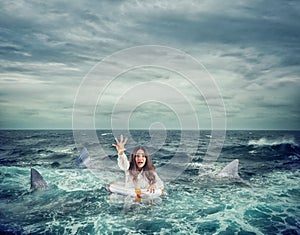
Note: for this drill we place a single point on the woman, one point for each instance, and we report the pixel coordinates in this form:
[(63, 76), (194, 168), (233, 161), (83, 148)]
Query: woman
[(139, 170)]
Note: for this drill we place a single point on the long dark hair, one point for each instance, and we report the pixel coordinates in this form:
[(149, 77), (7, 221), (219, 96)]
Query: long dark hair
[(148, 168)]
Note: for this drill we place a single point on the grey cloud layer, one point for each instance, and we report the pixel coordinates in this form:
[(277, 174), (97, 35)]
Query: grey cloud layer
[(251, 49)]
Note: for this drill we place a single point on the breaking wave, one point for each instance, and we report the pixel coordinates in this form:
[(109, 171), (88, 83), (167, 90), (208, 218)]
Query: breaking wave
[(273, 142)]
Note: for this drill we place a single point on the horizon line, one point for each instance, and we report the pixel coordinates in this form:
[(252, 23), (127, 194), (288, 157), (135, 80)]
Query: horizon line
[(143, 129)]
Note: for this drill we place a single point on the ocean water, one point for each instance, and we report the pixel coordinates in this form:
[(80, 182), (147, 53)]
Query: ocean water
[(264, 200)]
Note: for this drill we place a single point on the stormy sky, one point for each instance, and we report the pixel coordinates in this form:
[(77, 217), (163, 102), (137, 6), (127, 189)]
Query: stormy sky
[(52, 55)]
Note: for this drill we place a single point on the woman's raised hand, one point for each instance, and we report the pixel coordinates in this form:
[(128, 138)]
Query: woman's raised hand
[(120, 145)]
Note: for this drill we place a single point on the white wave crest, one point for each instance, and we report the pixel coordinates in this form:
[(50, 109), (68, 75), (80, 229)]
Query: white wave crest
[(272, 142)]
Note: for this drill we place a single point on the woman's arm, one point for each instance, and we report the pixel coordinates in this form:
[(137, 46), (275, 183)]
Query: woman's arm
[(122, 159), (123, 162), (159, 183)]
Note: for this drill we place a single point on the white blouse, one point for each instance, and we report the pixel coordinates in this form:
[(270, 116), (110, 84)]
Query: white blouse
[(142, 181)]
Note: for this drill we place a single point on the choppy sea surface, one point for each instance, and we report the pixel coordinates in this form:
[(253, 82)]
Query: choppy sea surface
[(264, 200)]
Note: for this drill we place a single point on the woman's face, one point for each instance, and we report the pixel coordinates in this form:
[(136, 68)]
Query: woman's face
[(140, 159)]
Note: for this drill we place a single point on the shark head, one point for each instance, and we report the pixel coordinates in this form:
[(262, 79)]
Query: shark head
[(37, 181)]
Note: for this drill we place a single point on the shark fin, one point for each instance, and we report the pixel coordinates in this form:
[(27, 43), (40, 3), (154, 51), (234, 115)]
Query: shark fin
[(230, 170), (84, 158), (37, 181)]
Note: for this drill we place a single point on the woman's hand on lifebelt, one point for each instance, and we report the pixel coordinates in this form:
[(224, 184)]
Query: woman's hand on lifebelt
[(120, 145), (151, 188)]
